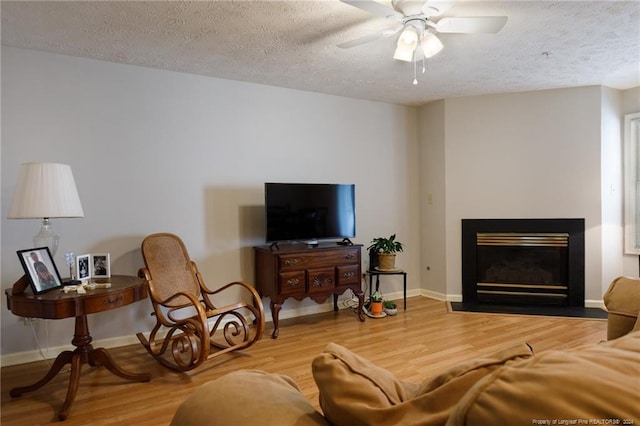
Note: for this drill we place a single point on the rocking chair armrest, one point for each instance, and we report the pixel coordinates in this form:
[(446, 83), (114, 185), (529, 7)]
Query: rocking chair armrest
[(244, 284), (194, 303), (144, 273), (257, 300)]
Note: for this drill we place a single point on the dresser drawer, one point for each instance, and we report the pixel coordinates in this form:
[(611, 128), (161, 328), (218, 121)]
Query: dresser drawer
[(321, 280), (318, 259), (100, 303), (347, 275), (291, 282)]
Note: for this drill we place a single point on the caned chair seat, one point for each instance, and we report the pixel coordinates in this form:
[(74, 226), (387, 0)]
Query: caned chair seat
[(194, 323)]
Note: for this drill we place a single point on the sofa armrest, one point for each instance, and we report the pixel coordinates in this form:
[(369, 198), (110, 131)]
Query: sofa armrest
[(622, 301)]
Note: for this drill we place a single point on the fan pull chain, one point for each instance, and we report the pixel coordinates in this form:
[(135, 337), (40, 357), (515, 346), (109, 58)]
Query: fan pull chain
[(415, 78)]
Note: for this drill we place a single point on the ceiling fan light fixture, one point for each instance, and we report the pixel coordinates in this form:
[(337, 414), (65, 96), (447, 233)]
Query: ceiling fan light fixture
[(431, 45), (403, 53), (407, 43)]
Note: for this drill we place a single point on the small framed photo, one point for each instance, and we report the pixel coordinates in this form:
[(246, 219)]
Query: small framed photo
[(100, 265), (39, 267), (83, 271)]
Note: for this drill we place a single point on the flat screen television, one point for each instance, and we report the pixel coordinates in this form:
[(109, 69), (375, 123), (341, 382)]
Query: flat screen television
[(307, 212)]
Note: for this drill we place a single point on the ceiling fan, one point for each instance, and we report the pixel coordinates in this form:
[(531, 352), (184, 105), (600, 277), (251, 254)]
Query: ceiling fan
[(418, 37)]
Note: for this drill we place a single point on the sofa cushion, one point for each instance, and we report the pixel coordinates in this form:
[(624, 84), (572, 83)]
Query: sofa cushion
[(354, 391), (592, 383), (248, 398)]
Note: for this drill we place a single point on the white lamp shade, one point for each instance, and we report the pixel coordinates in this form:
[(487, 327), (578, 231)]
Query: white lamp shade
[(431, 44), (45, 190), (407, 43)]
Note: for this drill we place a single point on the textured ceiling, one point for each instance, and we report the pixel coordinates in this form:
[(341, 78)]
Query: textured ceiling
[(545, 44)]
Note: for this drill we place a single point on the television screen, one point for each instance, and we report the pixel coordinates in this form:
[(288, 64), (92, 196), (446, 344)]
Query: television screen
[(309, 211)]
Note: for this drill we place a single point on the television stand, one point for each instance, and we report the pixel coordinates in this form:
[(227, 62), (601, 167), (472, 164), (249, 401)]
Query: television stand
[(300, 271), (345, 242)]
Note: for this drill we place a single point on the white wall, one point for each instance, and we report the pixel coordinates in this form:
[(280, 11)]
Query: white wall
[(522, 155), (433, 194), (158, 151)]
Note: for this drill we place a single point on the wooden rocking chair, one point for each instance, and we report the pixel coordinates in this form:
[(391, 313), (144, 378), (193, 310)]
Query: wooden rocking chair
[(193, 328)]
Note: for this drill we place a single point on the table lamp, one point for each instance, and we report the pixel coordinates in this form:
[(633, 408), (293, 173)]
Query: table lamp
[(43, 191)]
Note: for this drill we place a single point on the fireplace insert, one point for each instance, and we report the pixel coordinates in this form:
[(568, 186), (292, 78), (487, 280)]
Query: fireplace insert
[(523, 261)]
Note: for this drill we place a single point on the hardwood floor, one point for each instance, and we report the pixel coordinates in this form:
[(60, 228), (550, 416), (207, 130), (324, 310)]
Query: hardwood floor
[(413, 345)]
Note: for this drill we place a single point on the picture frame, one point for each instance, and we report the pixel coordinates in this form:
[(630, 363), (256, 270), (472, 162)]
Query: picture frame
[(38, 265), (100, 265), (83, 270)]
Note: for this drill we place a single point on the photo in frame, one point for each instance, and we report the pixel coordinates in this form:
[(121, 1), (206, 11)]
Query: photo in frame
[(83, 271), (39, 267), (100, 265)]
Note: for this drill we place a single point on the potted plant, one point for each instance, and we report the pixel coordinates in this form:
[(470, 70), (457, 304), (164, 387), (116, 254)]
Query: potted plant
[(390, 307), (376, 304), (385, 249)]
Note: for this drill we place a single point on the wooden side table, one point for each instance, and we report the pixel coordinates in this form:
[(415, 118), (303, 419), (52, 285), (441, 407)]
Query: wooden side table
[(378, 273), (57, 305)]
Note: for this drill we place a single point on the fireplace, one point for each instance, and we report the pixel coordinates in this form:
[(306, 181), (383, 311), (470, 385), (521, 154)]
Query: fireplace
[(523, 261)]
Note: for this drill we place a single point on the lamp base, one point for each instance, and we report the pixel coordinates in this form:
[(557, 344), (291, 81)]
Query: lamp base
[(46, 237)]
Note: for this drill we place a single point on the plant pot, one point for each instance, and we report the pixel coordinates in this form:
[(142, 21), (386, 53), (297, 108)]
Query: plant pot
[(391, 311), (386, 261), (376, 308)]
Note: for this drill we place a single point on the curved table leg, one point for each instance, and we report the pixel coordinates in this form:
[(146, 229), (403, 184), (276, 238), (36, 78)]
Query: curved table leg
[(275, 313), (360, 295), (74, 382), (62, 359), (101, 356), (83, 354)]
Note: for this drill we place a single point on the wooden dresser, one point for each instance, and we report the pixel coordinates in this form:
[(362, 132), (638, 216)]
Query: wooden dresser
[(301, 271)]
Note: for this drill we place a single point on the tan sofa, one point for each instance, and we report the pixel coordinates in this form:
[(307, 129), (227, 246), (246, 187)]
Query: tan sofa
[(596, 384)]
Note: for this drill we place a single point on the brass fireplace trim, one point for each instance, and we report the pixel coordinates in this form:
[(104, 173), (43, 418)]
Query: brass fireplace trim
[(531, 286), (518, 293), (533, 239)]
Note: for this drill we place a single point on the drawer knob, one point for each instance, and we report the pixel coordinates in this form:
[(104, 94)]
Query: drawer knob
[(293, 282), (290, 262), (348, 274), (350, 256)]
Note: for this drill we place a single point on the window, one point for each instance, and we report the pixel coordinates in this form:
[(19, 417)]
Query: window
[(632, 182)]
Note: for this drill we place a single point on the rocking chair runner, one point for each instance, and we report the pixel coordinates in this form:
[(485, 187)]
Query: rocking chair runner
[(196, 329)]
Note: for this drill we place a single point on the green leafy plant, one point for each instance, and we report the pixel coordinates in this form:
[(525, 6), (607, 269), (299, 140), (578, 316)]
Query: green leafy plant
[(385, 245), (376, 297), (389, 304)]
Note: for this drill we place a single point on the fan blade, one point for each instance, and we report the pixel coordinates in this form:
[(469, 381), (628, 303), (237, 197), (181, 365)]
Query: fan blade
[(480, 24), (374, 8), (437, 8), (369, 38)]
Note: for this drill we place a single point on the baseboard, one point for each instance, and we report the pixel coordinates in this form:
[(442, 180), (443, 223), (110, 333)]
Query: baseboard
[(286, 313), (53, 351)]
